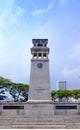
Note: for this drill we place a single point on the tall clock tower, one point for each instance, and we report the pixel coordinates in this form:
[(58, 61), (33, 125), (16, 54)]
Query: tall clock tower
[(39, 76)]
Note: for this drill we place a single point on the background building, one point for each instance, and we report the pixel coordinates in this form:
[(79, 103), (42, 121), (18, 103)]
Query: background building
[(62, 85)]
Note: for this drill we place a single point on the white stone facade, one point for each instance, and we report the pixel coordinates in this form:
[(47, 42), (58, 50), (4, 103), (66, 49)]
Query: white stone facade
[(39, 76)]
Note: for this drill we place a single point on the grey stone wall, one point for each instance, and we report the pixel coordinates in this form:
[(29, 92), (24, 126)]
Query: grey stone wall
[(41, 108), (39, 81)]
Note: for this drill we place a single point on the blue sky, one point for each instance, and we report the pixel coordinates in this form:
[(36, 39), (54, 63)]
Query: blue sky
[(57, 20)]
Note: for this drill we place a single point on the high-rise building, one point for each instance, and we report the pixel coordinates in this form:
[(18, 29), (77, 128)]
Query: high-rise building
[(62, 85)]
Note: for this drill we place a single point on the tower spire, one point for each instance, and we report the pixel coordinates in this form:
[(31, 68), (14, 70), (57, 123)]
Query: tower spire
[(40, 50)]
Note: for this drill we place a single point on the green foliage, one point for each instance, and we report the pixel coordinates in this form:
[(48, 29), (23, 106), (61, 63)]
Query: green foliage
[(54, 94), (65, 93), (76, 93), (19, 90), (16, 90), (4, 82)]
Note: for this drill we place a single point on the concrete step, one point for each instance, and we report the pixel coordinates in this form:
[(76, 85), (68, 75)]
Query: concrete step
[(38, 126), (58, 122), (49, 126), (72, 119)]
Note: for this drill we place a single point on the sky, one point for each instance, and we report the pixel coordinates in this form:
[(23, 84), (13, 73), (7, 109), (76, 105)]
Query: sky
[(57, 20)]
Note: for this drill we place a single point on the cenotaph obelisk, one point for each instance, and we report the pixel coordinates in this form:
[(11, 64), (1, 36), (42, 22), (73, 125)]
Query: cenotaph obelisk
[(39, 76)]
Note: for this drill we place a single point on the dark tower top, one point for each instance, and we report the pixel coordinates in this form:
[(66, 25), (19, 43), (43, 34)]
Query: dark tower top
[(40, 42), (40, 50)]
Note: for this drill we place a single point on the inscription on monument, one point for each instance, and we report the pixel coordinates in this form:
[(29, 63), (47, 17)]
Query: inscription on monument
[(38, 106), (40, 89), (66, 107), (13, 107)]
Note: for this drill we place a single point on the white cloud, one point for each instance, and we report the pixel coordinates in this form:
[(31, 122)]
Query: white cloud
[(20, 11), (1, 45), (72, 76), (9, 16), (75, 52), (63, 2), (42, 11), (14, 17), (50, 6), (71, 72), (14, 49), (73, 68)]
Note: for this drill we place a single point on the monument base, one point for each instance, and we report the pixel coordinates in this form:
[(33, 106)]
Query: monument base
[(39, 114), (40, 111)]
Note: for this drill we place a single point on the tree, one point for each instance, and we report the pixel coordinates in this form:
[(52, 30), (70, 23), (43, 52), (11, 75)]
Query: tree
[(19, 90), (54, 94), (2, 92), (4, 83), (65, 94), (76, 93), (16, 90)]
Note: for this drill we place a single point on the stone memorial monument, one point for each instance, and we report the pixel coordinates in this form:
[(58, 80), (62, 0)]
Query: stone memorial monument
[(39, 92), (39, 77)]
